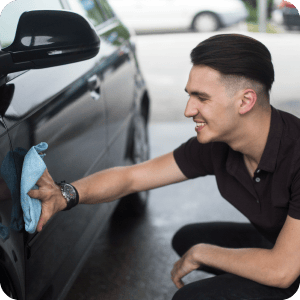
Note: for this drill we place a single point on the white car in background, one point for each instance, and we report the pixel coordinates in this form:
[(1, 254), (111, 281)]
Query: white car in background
[(200, 15)]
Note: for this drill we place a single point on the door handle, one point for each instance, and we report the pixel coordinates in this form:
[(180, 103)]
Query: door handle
[(94, 87)]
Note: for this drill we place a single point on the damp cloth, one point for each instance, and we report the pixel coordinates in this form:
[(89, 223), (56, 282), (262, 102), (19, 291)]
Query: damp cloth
[(11, 169), (33, 169)]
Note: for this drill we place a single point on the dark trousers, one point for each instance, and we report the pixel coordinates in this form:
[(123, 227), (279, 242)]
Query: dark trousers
[(225, 286)]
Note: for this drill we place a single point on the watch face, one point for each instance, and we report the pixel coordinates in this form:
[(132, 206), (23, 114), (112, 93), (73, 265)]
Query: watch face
[(68, 189)]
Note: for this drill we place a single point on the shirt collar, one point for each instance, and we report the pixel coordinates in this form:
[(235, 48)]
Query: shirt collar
[(270, 153), (269, 156)]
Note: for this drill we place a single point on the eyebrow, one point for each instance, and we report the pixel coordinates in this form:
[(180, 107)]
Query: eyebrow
[(196, 93)]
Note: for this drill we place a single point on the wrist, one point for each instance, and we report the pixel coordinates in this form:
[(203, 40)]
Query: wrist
[(62, 202), (197, 253), (70, 194)]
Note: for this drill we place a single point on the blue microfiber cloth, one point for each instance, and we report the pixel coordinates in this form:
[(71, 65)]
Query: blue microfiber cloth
[(33, 169), (11, 169), (16, 214)]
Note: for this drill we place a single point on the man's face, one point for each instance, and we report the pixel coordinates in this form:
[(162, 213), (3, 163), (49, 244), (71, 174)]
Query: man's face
[(216, 115)]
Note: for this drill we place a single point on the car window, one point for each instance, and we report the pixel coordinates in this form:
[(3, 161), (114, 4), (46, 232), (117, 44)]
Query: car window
[(88, 8), (107, 9), (10, 16)]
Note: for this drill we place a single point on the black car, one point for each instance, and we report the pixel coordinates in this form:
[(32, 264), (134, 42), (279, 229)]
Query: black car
[(91, 107)]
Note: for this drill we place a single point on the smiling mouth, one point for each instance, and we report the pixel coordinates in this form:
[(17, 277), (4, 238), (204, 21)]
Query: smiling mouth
[(202, 124)]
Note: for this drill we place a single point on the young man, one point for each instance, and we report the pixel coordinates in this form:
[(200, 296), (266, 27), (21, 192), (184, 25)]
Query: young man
[(254, 152)]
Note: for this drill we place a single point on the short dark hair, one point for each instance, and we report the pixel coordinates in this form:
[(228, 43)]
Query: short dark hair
[(236, 54)]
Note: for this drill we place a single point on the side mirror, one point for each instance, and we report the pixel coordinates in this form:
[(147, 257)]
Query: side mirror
[(48, 38)]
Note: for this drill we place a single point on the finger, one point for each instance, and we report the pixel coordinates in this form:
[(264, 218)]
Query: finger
[(34, 194), (44, 218), (44, 179), (40, 225), (177, 281), (175, 276), (42, 221), (179, 271), (179, 284)]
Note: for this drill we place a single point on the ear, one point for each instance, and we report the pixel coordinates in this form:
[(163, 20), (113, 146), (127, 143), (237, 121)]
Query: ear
[(248, 100)]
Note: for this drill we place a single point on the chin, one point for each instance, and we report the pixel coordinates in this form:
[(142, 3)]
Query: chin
[(203, 139)]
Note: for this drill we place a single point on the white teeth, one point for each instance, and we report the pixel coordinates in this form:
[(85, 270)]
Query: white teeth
[(200, 124)]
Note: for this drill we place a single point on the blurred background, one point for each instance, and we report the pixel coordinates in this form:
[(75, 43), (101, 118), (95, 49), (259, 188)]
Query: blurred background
[(205, 16), (167, 30), (133, 258)]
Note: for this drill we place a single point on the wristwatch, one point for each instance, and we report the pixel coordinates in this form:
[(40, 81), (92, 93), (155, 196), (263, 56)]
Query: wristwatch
[(70, 194)]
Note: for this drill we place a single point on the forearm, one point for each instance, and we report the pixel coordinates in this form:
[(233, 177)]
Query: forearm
[(260, 265), (104, 186)]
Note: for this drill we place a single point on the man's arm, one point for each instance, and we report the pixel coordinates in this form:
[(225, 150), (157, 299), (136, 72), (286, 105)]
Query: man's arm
[(108, 185), (278, 267), (112, 184)]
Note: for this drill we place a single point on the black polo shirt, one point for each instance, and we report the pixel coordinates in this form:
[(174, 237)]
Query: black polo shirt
[(273, 193)]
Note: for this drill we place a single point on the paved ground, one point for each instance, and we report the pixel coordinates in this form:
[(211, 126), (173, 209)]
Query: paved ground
[(132, 258)]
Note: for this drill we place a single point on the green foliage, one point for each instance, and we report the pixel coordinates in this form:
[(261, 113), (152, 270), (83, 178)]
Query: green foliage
[(252, 18), (270, 28), (3, 3), (252, 7)]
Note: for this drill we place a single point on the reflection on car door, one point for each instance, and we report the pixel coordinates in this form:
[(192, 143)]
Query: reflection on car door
[(118, 68), (11, 240), (63, 107), (119, 86)]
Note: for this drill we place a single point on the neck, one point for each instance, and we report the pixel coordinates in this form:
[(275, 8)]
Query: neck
[(252, 135)]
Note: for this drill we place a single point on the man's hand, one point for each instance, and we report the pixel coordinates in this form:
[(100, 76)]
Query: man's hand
[(50, 195), (184, 266)]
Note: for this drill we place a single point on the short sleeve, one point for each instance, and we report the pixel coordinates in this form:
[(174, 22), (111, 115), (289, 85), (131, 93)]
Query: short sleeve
[(294, 203), (194, 159)]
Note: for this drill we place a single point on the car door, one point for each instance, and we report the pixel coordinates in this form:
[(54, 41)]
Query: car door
[(119, 86), (63, 107), (12, 263), (119, 69)]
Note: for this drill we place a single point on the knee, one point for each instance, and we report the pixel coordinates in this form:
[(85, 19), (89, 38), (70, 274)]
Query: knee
[(205, 289), (188, 292), (181, 239), (178, 296), (178, 239)]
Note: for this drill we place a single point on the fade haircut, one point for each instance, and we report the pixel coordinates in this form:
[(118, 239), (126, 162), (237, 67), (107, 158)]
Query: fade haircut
[(242, 61)]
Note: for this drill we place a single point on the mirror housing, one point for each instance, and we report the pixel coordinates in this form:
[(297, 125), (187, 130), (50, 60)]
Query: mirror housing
[(48, 38)]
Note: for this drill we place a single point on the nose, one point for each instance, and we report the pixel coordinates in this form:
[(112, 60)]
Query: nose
[(191, 109)]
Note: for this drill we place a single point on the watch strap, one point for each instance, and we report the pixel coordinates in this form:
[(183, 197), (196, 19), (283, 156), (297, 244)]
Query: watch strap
[(71, 202)]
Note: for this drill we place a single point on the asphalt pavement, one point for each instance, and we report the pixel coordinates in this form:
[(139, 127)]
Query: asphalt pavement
[(132, 258)]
